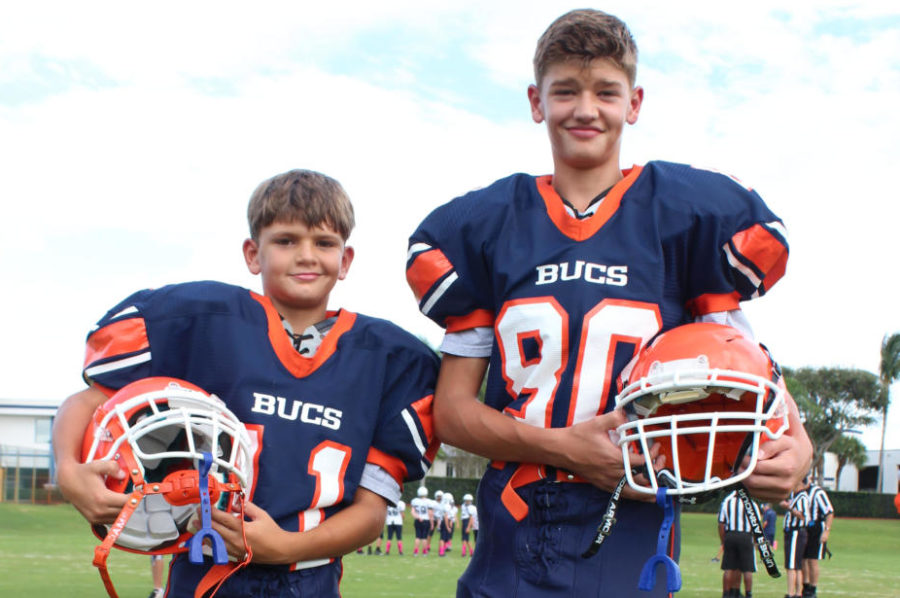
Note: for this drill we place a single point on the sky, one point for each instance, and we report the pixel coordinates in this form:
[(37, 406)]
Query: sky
[(132, 135)]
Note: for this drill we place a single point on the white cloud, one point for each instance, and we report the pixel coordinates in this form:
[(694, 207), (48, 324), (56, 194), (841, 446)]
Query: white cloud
[(133, 138)]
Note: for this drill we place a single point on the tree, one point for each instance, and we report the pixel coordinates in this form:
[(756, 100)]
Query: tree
[(833, 401), (888, 371), (848, 450)]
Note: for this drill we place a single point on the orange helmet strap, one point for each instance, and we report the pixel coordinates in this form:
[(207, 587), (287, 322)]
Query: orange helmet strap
[(177, 489), (101, 552)]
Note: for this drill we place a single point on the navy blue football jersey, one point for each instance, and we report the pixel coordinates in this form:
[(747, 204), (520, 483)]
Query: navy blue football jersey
[(363, 397), (571, 300)]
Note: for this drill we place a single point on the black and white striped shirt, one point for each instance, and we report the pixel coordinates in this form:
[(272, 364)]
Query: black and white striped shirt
[(799, 501), (733, 515), (819, 503)]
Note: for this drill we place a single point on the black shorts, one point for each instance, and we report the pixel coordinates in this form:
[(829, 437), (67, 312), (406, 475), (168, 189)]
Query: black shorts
[(423, 526), (464, 530), (794, 548), (738, 553), (814, 548), (446, 532), (395, 530)]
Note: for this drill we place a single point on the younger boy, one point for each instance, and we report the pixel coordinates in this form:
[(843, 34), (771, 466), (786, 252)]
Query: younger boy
[(332, 451), (556, 282)]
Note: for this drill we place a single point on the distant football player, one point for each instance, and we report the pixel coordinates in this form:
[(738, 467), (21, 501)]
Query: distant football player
[(394, 522), (423, 514), (467, 526), (555, 282), (331, 452)]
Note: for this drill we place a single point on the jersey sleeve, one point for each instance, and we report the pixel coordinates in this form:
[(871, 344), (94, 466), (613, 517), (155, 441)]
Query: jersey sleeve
[(738, 248), (118, 347), (404, 443), (447, 265)]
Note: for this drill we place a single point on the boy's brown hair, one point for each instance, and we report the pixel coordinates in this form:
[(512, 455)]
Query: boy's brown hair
[(586, 34), (300, 195)]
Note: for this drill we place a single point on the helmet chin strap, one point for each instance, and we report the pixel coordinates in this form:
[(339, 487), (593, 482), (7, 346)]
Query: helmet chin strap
[(177, 489)]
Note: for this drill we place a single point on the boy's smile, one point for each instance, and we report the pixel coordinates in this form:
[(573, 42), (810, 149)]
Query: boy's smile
[(585, 109), (299, 267)]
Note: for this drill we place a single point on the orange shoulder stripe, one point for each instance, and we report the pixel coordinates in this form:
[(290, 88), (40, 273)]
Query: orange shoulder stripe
[(424, 409), (474, 319), (392, 465), (709, 303), (427, 268), (119, 338), (767, 253)]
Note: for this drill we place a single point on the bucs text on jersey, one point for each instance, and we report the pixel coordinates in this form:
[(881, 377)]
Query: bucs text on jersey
[(363, 397), (668, 242)]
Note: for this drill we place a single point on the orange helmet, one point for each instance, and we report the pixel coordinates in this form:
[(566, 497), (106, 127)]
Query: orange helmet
[(157, 430), (708, 396)]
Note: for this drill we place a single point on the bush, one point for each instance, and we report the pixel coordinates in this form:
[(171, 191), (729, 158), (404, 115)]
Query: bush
[(846, 504)]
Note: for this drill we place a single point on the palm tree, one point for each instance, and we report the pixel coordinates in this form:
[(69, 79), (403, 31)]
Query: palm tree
[(849, 451), (888, 371)]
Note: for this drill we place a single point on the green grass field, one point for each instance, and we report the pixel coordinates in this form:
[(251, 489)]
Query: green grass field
[(46, 552)]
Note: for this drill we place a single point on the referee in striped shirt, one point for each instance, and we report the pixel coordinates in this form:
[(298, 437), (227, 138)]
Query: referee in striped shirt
[(738, 557), (796, 517), (818, 529)]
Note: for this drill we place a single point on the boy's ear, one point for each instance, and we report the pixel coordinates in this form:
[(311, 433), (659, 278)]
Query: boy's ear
[(346, 260), (251, 256), (534, 99), (635, 101)]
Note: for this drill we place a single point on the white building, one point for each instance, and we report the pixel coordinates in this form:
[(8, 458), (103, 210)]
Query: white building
[(25, 462)]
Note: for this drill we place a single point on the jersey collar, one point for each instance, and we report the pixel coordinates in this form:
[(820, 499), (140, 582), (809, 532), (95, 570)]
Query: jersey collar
[(581, 229), (301, 365)]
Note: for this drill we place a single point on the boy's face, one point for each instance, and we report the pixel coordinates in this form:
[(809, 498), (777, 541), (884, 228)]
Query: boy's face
[(585, 108), (299, 265)]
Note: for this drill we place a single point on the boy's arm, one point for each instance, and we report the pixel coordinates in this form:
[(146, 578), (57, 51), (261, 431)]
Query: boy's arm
[(83, 484), (463, 421), (826, 528), (345, 531)]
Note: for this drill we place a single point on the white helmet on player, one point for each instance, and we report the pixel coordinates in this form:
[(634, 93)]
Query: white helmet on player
[(468, 497), (422, 492)]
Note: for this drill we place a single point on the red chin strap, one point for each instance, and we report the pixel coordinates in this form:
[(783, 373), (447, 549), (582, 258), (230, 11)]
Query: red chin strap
[(179, 488)]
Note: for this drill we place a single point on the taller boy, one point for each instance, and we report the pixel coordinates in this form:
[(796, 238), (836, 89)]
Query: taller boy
[(556, 281)]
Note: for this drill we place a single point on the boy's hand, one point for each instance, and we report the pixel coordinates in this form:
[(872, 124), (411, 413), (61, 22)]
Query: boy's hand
[(265, 537), (594, 456), (84, 486), (782, 462)]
